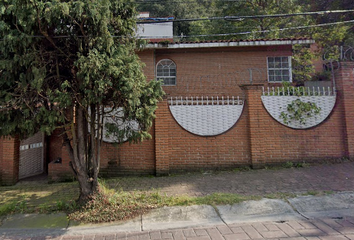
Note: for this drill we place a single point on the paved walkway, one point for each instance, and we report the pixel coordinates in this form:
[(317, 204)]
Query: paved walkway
[(317, 229), (327, 177), (330, 177)]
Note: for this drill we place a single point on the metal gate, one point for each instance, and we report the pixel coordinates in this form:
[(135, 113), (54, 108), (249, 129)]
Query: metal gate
[(31, 156)]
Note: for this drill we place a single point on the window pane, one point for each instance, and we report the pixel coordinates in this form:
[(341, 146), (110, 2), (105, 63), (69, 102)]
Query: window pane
[(270, 64), (169, 81), (277, 65), (285, 72), (285, 64), (166, 70), (279, 69), (286, 78)]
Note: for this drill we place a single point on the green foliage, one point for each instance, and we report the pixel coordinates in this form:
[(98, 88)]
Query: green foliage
[(181, 10), (299, 111), (296, 165), (223, 199), (108, 205), (288, 90), (302, 63), (57, 55), (114, 206), (14, 206), (321, 76), (66, 65), (256, 27)]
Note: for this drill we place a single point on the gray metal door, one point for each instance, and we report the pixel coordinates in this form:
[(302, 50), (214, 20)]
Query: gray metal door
[(31, 156)]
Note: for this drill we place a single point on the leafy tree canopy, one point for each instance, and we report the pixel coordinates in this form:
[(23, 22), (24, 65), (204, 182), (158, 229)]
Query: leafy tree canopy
[(263, 27), (66, 65), (254, 27)]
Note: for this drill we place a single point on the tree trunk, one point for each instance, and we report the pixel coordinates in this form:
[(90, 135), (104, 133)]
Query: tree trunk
[(81, 159), (88, 187)]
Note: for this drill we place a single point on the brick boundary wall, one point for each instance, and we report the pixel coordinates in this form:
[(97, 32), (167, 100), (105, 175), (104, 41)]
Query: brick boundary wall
[(9, 160), (162, 144), (274, 143), (256, 140), (344, 77)]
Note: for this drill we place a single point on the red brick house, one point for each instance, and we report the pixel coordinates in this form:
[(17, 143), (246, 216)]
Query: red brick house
[(213, 115)]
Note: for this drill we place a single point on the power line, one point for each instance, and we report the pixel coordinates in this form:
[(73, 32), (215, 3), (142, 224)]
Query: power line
[(268, 31), (222, 34), (240, 18)]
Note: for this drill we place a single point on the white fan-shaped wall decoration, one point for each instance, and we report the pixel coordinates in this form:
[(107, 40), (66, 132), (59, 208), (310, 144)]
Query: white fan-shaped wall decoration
[(275, 105), (207, 117), (116, 117)]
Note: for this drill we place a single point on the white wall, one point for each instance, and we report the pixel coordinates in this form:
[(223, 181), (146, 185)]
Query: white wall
[(155, 30)]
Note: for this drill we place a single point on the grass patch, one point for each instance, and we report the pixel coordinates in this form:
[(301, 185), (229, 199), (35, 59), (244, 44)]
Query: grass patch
[(109, 205), (294, 195), (242, 169), (115, 206), (280, 195), (223, 199), (14, 206)]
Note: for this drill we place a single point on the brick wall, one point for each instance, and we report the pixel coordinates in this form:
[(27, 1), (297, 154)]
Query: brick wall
[(345, 84), (272, 142), (193, 152), (255, 140), (58, 158), (216, 72), (163, 149), (9, 160), (126, 158)]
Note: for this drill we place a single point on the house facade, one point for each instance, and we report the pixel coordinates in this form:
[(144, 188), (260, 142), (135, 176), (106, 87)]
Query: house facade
[(218, 113)]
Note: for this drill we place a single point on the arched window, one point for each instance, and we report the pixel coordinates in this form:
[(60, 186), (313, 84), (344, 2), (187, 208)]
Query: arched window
[(166, 71)]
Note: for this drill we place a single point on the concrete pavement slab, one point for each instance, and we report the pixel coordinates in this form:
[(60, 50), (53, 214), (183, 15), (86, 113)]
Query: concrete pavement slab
[(254, 211), (331, 206), (133, 225), (52, 225), (57, 220), (179, 217)]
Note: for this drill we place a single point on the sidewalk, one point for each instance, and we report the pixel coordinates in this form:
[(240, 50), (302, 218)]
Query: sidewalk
[(305, 217), (327, 177)]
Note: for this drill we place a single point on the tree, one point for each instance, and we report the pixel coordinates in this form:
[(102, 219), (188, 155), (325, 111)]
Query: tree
[(68, 65), (179, 10)]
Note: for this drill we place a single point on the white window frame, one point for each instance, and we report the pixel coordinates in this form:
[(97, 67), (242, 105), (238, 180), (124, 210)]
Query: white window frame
[(170, 65), (288, 68)]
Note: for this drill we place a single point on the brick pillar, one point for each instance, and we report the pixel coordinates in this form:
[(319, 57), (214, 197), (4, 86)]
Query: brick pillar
[(162, 148), (9, 162), (344, 78), (58, 167), (255, 113)]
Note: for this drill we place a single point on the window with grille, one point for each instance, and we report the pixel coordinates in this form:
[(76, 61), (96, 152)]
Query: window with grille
[(279, 69), (166, 71)]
